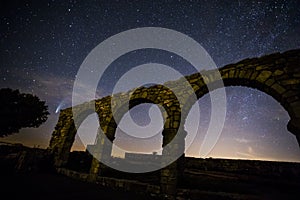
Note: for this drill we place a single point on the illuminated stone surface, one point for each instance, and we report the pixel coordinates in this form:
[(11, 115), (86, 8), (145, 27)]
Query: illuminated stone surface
[(277, 75)]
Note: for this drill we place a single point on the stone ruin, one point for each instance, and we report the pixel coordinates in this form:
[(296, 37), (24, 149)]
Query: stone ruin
[(277, 75)]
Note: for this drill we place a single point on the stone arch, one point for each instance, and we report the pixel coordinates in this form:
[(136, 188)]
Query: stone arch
[(276, 75), (158, 94), (164, 98), (168, 105), (113, 108), (65, 131)]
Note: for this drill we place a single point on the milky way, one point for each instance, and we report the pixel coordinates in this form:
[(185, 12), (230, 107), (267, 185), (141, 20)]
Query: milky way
[(43, 44)]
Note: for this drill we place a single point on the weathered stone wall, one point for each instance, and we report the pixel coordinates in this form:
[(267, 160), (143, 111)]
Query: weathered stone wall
[(250, 167), (16, 158), (118, 184), (218, 175), (277, 75)]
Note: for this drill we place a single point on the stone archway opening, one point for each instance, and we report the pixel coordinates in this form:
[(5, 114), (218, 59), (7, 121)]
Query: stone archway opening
[(86, 133), (80, 158), (137, 147), (196, 126), (139, 132), (255, 128)]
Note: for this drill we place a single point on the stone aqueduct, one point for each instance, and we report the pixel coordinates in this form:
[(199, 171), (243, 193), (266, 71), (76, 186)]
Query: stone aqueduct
[(277, 75)]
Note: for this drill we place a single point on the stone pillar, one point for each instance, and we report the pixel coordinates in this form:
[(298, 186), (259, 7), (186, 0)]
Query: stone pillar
[(61, 148), (170, 175), (294, 127), (100, 151)]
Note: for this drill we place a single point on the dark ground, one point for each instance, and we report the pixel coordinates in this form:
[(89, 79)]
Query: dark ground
[(43, 186), (203, 179), (42, 183)]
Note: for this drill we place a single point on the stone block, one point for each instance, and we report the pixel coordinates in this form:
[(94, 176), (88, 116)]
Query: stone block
[(254, 75), (278, 72), (176, 124), (278, 88), (288, 94), (290, 82), (262, 67), (242, 74), (263, 76), (144, 95), (195, 87), (270, 82), (225, 75), (248, 74), (231, 74)]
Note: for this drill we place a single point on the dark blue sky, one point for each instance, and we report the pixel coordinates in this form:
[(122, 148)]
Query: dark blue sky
[(43, 43)]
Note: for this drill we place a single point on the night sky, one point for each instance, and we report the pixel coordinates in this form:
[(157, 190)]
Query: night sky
[(43, 43)]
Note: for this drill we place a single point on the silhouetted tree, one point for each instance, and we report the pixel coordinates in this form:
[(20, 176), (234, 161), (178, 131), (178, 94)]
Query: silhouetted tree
[(19, 110)]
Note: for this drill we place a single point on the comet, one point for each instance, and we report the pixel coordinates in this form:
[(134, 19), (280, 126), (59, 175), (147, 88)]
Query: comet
[(59, 107)]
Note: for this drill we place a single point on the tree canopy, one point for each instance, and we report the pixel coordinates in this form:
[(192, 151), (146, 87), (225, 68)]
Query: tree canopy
[(19, 110)]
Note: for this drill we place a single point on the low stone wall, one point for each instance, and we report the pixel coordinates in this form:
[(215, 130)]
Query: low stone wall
[(16, 158), (252, 167), (73, 174), (118, 184)]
